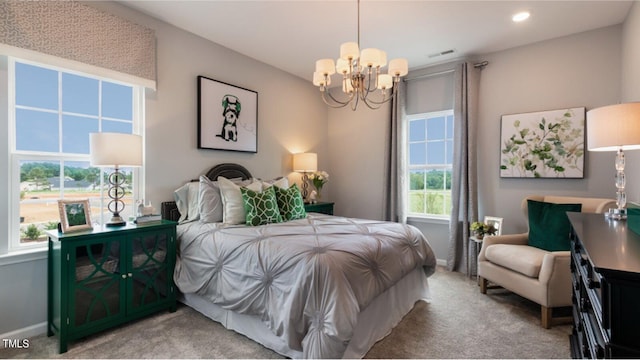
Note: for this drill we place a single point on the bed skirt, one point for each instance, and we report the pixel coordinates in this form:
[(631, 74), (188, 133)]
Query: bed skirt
[(396, 302)]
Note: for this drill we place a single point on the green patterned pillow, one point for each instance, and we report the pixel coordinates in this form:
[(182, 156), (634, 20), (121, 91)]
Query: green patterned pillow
[(290, 203), (261, 207)]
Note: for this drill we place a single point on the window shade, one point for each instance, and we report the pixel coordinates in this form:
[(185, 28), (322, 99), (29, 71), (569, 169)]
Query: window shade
[(77, 32), (429, 93)]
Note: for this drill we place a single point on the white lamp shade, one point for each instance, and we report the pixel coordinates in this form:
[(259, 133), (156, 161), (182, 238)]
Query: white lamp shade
[(305, 162), (370, 57), (326, 66), (398, 67), (349, 51), (385, 81), (319, 79), (342, 66), (614, 127), (383, 58), (115, 149)]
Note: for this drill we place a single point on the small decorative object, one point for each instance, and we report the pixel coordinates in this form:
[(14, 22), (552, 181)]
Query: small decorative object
[(319, 178), (480, 229), (115, 150), (305, 163), (145, 209), (74, 215), (227, 116), (313, 197), (546, 144), (495, 222)]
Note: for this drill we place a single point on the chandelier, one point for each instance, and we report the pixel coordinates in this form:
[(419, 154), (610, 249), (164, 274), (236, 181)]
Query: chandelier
[(362, 77)]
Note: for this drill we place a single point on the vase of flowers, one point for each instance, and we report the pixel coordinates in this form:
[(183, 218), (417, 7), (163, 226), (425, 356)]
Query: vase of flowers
[(480, 229), (319, 178)]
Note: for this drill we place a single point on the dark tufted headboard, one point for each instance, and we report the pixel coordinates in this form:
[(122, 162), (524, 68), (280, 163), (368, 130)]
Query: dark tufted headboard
[(169, 210)]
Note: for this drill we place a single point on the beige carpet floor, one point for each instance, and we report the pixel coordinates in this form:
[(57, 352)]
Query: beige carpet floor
[(459, 322)]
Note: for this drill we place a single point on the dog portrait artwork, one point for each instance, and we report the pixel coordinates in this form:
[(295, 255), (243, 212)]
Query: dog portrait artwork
[(227, 116), (230, 112)]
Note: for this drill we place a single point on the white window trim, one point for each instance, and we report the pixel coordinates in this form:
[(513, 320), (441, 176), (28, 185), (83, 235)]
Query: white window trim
[(427, 218), (11, 245)]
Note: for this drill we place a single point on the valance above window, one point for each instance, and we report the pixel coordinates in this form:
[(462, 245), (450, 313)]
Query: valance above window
[(81, 33)]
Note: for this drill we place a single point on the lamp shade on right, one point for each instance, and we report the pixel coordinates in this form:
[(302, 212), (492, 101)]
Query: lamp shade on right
[(305, 162), (614, 127)]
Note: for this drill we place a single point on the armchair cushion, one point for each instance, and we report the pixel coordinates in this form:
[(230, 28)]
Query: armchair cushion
[(526, 260), (549, 225)]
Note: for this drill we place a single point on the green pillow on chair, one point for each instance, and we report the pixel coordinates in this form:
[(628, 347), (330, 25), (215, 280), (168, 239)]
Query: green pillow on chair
[(549, 225)]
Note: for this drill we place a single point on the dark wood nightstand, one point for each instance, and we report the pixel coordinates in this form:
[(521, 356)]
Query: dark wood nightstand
[(106, 276), (320, 207)]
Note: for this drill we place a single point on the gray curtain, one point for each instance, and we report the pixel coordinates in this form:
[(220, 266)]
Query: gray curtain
[(393, 195), (464, 187)]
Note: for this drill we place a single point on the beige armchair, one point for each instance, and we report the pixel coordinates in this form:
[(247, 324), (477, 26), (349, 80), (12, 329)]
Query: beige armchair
[(536, 274)]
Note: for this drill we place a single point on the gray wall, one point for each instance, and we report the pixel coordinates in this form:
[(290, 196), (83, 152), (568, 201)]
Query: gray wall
[(580, 70)]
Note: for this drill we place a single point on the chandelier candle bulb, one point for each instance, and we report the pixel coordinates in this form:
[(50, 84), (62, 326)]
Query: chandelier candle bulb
[(398, 67), (349, 51), (325, 66)]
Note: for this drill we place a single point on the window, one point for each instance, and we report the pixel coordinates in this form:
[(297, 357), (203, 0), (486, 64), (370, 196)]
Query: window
[(430, 159), (52, 113)]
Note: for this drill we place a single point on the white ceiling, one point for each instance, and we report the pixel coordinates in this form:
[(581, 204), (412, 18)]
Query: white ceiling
[(292, 35)]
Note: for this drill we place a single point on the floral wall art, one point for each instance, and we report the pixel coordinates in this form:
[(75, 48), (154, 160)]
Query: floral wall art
[(545, 144)]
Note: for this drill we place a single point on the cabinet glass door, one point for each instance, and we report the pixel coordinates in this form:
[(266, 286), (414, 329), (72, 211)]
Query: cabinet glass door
[(98, 282), (150, 269)]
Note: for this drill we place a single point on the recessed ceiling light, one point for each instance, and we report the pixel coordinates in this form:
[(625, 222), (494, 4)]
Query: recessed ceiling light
[(521, 16)]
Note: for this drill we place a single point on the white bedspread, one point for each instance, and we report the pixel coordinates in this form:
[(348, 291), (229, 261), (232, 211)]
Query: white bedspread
[(306, 279)]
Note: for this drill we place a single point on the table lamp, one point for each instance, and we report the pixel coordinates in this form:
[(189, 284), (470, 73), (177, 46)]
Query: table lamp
[(305, 163), (115, 150), (615, 128)]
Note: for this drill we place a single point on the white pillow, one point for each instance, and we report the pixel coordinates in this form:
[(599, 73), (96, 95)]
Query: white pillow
[(282, 183), (210, 201), (186, 198), (232, 206)]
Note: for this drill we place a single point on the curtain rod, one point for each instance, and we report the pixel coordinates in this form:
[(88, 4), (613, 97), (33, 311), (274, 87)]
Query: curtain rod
[(479, 65)]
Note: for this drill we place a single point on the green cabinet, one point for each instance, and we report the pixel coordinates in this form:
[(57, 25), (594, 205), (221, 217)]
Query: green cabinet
[(320, 207), (107, 276)]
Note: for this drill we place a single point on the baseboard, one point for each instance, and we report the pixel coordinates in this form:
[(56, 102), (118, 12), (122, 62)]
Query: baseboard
[(26, 332), (441, 262)]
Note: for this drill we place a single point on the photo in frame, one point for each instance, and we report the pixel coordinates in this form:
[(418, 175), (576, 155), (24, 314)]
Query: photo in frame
[(545, 144), (75, 215), (227, 116), (496, 222)]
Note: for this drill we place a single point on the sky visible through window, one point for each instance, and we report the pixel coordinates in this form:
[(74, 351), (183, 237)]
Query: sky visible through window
[(431, 141), (56, 111)]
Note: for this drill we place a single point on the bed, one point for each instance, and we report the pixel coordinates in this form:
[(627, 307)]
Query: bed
[(320, 286)]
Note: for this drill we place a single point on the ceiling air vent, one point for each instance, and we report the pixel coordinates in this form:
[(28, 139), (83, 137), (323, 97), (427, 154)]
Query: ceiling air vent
[(446, 52)]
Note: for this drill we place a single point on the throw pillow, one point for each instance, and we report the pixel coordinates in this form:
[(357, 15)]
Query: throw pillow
[(261, 207), (232, 206), (281, 182), (186, 198), (290, 203), (210, 201), (549, 225)]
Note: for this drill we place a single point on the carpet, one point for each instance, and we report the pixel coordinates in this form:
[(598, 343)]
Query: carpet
[(459, 322)]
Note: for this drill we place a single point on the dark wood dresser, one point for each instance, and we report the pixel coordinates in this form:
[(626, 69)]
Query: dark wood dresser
[(605, 268)]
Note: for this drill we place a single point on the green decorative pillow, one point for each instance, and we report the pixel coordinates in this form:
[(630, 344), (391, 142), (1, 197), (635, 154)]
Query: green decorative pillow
[(260, 207), (290, 203), (549, 225)]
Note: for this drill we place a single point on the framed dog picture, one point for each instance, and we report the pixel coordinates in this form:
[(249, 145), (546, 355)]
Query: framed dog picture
[(227, 116), (74, 215)]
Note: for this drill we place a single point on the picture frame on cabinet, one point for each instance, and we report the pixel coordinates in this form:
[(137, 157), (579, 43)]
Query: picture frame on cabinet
[(75, 215), (227, 116)]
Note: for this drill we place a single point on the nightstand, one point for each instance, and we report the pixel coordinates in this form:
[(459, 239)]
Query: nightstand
[(320, 207), (107, 276)]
